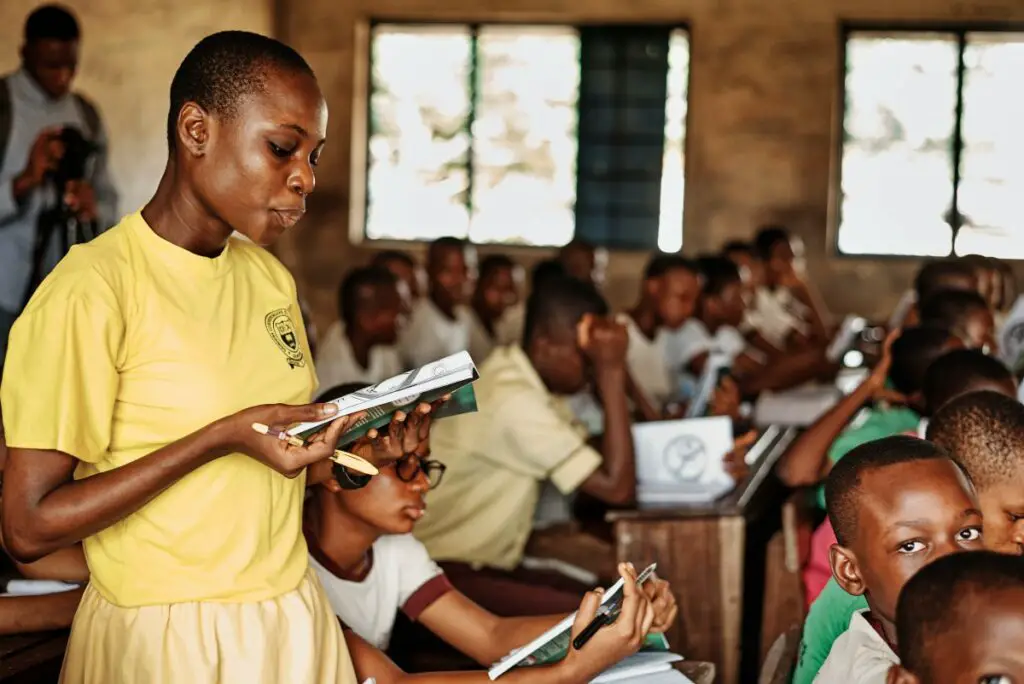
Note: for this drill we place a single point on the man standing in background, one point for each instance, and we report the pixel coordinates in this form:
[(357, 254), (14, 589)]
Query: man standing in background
[(37, 108)]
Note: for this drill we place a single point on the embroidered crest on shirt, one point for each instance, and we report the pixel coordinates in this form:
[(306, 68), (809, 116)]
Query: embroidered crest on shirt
[(282, 330)]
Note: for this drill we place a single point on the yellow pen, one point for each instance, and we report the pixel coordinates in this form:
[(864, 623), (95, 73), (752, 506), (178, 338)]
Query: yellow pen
[(356, 463)]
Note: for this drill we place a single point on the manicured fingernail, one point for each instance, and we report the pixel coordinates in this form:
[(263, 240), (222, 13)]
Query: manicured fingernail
[(329, 409)]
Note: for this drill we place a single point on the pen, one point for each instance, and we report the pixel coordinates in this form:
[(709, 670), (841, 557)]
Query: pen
[(603, 617), (360, 465)]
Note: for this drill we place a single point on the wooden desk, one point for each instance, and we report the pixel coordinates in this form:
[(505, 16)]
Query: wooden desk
[(32, 658), (713, 554)]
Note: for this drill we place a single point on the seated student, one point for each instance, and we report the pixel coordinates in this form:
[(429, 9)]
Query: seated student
[(988, 277), (961, 619), (715, 329), (610, 645), (985, 433), (941, 274), (896, 504), (963, 371), (405, 269), (440, 322), (360, 347), (966, 315), (583, 261), (751, 269), (372, 567), (668, 297), (498, 458), (830, 613), (786, 309), (494, 304)]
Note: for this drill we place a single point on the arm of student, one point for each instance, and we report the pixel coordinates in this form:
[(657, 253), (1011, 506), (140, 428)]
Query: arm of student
[(645, 408), (63, 565), (478, 633), (788, 370), (21, 614), (614, 482)]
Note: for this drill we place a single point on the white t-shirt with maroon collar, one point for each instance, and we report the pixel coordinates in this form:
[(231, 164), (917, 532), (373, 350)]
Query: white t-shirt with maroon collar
[(402, 577)]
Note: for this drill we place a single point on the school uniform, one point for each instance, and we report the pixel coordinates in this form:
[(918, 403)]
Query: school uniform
[(129, 345), (648, 364), (430, 335), (776, 314), (336, 362), (481, 343), (403, 577), (861, 655), (829, 617), (497, 459)]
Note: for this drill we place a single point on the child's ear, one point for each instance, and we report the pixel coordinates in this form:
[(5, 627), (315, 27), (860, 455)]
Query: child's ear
[(845, 569), (897, 675)]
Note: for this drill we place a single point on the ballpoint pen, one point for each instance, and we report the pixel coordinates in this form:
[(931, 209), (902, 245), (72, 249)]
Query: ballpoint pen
[(340, 457)]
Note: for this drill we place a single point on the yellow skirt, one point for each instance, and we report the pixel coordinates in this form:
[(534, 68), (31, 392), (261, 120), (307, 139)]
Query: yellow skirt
[(292, 639)]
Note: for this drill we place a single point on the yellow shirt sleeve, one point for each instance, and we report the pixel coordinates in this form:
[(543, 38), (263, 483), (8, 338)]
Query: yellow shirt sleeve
[(60, 376)]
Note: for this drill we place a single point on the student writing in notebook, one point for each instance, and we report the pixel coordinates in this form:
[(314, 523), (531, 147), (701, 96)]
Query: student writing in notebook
[(440, 322), (360, 347), (372, 567)]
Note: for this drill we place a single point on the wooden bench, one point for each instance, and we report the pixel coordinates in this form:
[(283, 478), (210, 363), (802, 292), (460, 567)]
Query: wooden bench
[(32, 658)]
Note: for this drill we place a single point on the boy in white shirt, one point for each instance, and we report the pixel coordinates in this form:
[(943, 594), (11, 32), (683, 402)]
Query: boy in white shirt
[(440, 322), (494, 300), (371, 567), (668, 297), (360, 347), (896, 504), (403, 267)]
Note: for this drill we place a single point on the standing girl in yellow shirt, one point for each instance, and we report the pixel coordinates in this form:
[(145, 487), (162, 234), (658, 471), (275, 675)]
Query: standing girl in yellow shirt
[(133, 379)]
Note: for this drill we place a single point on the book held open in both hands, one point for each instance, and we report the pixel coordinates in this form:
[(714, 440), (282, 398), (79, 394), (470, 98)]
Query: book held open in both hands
[(452, 375)]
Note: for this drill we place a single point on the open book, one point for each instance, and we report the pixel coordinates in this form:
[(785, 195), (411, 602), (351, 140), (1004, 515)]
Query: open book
[(451, 375), (554, 644)]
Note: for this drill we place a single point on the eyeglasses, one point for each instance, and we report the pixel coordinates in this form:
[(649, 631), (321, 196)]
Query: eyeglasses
[(409, 468)]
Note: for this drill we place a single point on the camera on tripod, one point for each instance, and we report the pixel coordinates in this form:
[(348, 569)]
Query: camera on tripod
[(73, 164)]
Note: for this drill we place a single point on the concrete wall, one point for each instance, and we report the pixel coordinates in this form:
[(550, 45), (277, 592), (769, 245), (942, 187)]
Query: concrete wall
[(129, 53)]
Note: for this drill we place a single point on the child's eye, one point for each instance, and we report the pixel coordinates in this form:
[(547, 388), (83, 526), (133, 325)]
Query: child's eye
[(969, 534), (995, 679), (911, 547), (279, 151)]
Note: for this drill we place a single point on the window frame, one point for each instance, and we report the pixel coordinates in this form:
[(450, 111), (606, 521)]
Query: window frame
[(359, 191), (958, 30)]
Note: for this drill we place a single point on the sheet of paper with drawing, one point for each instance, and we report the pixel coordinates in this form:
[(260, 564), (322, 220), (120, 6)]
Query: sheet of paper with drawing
[(450, 375), (682, 461), (554, 644)]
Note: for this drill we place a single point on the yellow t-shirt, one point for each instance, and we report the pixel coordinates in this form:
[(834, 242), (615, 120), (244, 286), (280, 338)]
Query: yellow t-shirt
[(497, 459), (133, 343)]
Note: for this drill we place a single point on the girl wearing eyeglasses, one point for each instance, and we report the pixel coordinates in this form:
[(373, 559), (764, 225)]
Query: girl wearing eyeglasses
[(361, 546)]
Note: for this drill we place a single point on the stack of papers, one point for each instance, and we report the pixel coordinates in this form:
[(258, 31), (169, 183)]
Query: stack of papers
[(451, 375)]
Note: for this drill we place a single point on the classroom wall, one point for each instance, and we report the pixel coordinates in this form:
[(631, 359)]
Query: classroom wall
[(130, 50), (763, 87)]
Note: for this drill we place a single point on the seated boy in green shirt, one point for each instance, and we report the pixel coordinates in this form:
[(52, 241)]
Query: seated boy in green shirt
[(957, 376)]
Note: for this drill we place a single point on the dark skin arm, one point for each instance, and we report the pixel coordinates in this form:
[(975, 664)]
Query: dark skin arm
[(21, 614), (806, 461), (604, 342), (44, 509)]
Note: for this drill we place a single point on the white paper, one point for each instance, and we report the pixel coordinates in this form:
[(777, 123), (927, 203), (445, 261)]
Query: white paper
[(682, 460), (798, 407), (27, 587), (708, 384), (637, 665)]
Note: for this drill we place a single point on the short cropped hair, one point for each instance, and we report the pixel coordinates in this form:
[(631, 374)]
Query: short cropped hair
[(225, 68), (984, 432), (546, 271), (936, 275), (353, 292), (717, 274), (912, 353), (936, 600), (493, 263), (766, 240), (958, 372), (51, 22), (660, 264), (391, 255), (843, 486), (951, 309), (556, 308), (734, 246)]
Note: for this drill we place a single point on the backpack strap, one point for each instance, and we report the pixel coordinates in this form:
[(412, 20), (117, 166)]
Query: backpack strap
[(91, 116), (6, 117)]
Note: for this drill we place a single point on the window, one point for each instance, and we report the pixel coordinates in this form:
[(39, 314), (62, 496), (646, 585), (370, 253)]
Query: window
[(527, 134), (932, 144)]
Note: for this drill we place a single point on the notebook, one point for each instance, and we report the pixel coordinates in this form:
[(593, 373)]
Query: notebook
[(682, 461)]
